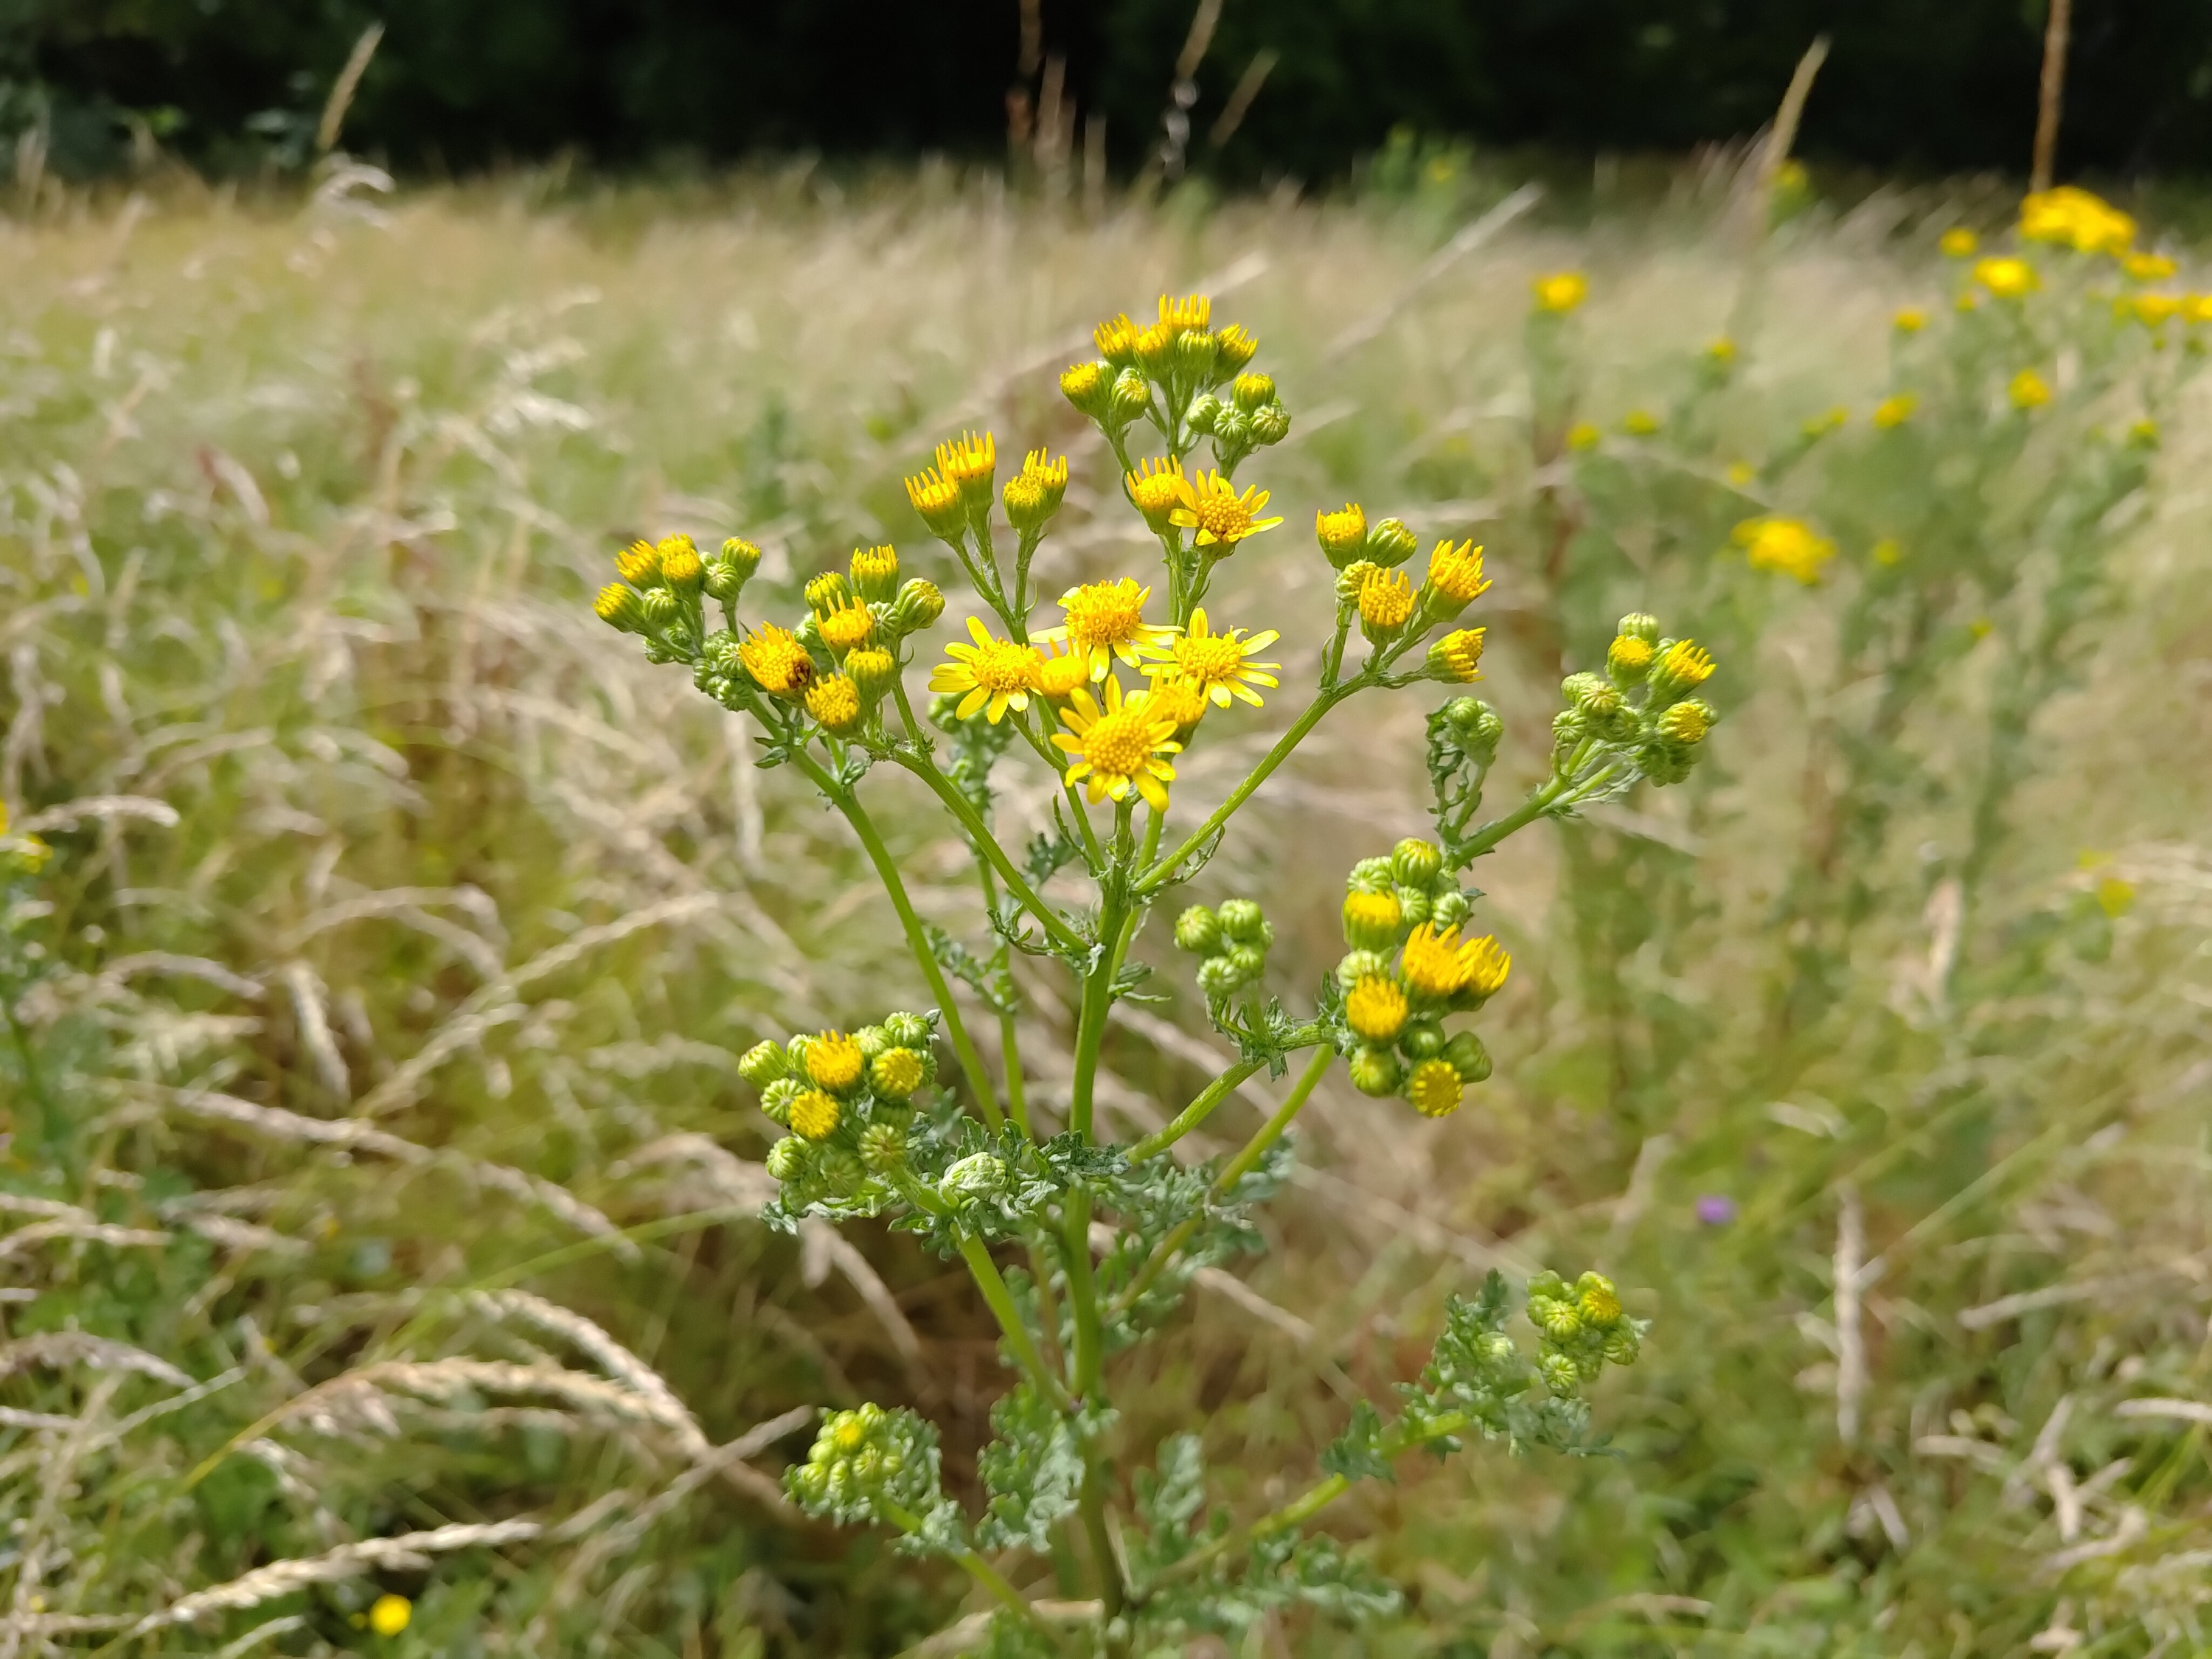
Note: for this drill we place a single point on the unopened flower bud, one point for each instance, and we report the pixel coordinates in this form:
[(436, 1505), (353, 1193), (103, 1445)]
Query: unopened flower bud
[(1231, 426), (1371, 876), (618, 605), (1361, 964), (840, 1172), (1687, 721), (978, 1175), (1416, 862), (777, 1095), (1194, 357), (724, 580), (1390, 543), (1342, 535), (882, 1148), (1198, 930), (1467, 1056), (762, 1063), (873, 671), (871, 1041), (1476, 724), (1350, 577), (1628, 658), (1243, 922), (1597, 1301), (1559, 1375), (1205, 409), (1221, 976), (909, 1030), (918, 605), (1585, 691), (660, 606), (1413, 905), (1424, 1039), (1449, 909), (1622, 1345), (1371, 921), (1250, 962), (1271, 424), (1233, 348), (1374, 1071), (875, 573), (790, 1159), (1089, 386), (1034, 495), (1637, 625), (895, 1073), (1254, 391), (680, 565), (1132, 395)]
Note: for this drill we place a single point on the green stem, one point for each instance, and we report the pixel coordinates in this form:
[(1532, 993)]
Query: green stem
[(1157, 875), (993, 1286), (987, 846), (1195, 1114), (956, 1032), (1111, 1591), (978, 1568), (1009, 1046)]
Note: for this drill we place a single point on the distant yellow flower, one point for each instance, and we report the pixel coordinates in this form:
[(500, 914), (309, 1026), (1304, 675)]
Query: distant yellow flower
[(1106, 620), (2150, 267), (639, 564), (1910, 319), (1584, 434), (1721, 349), (1458, 655), (388, 1615), (1888, 550), (1439, 966), (1116, 339), (1342, 535), (2143, 430), (1741, 475), (1435, 1088), (2198, 307), (1827, 420), (2116, 896), (814, 1115), (1120, 745), (2029, 390), (1375, 1008), (1958, 242), (1457, 572), (2005, 277), (1219, 665), (2075, 219), (1156, 490), (937, 498), (835, 700), (1212, 505), (2152, 309), (776, 660), (1895, 410), (993, 672), (1789, 545), (1639, 423), (834, 1062), (1561, 292), (845, 626), (1059, 672), (1191, 312), (970, 462)]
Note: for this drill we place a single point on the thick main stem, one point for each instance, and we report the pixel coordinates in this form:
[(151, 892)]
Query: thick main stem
[(1001, 1300)]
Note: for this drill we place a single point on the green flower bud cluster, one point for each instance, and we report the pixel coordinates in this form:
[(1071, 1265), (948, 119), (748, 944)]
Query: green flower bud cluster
[(1251, 417), (848, 1102), (1231, 943), (869, 1465), (1640, 705), (1582, 1329), (1187, 377)]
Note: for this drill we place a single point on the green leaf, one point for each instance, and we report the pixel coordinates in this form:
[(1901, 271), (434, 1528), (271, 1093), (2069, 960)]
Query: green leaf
[(1357, 1454), (1033, 1472)]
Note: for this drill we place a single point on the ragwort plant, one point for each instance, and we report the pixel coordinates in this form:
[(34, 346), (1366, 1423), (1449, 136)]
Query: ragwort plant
[(1081, 1245)]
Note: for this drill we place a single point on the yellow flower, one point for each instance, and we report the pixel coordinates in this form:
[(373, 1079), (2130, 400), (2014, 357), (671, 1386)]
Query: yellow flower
[(992, 672), (1116, 339), (1895, 410), (1034, 493), (1234, 347), (1910, 320), (1342, 535), (1084, 384), (2075, 219), (835, 701), (2198, 307), (970, 462), (1686, 664), (1561, 292), (1686, 722), (2116, 896), (1741, 475), (1155, 350), (1630, 655), (639, 564), (2005, 277), (1119, 746), (1722, 350), (1375, 1008), (873, 670), (1105, 620), (1584, 434), (1958, 242), (1457, 572), (617, 603), (1212, 505), (1219, 665), (875, 572), (1439, 966), (1175, 698), (846, 625), (1639, 423), (680, 565), (388, 1615), (897, 1072), (1386, 600), (1157, 489), (1435, 1088), (937, 498), (834, 1061), (814, 1115), (1060, 673), (1185, 315), (1822, 424), (2150, 267), (1888, 550), (1789, 545), (2029, 390), (776, 660), (2152, 309), (1459, 655), (1371, 919)]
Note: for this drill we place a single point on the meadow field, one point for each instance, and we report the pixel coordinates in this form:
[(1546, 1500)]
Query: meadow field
[(378, 1206)]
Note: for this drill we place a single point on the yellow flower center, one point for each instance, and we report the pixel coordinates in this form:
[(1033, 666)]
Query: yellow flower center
[(1002, 665), (896, 1073), (1385, 598), (1371, 912), (775, 658), (1688, 664), (1058, 676), (1105, 613), (1630, 654), (1434, 1088), (1226, 519), (834, 701), (849, 1436), (1341, 532), (847, 626), (1457, 572), (834, 1061), (1209, 658), (814, 1115), (1375, 1008), (1120, 742)]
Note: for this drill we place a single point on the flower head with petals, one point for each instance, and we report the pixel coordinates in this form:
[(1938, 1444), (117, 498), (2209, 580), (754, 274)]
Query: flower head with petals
[(1119, 746), (1106, 620), (993, 674), (1219, 665), (1212, 505)]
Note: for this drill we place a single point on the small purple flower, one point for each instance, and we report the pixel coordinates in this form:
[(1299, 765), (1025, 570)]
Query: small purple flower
[(1716, 1209)]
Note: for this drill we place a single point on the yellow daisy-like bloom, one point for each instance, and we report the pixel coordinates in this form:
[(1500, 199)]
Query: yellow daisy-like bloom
[(845, 626), (2029, 390), (1157, 488), (1435, 1088), (1630, 655), (1789, 545), (1119, 746), (639, 564), (2005, 277), (970, 462), (1106, 620), (2075, 219), (1958, 242), (1212, 505), (1187, 315), (814, 1115), (1686, 664), (2150, 267), (388, 1615), (835, 701), (1561, 292), (937, 498), (1440, 966), (1584, 434), (1219, 665), (1386, 600), (1116, 340), (1457, 572), (1175, 698), (1341, 535), (1371, 917), (1059, 672), (617, 604), (992, 672), (835, 1061), (1909, 320), (776, 660), (1375, 1008), (1460, 653), (1895, 410)]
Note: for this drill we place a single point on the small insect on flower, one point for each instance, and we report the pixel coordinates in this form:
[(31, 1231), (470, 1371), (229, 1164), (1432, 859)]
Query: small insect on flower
[(776, 660), (1156, 490), (815, 1115), (1211, 505), (2029, 390), (1789, 545), (1119, 746), (1561, 291), (1219, 665), (1894, 410), (835, 700), (1106, 620), (1375, 1008), (1457, 572), (1439, 965), (1435, 1088), (2005, 277), (993, 674)]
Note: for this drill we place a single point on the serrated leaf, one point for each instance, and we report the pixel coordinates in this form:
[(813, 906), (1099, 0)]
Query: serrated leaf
[(1033, 1472), (1357, 1454)]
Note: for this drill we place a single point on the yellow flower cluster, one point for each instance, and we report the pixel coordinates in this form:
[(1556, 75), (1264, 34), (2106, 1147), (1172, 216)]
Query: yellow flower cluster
[(2076, 219), (1788, 546)]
